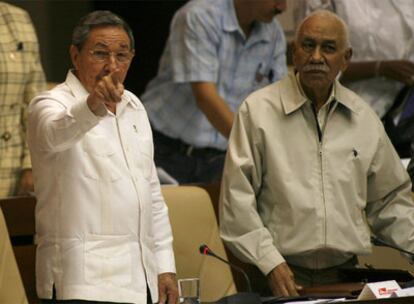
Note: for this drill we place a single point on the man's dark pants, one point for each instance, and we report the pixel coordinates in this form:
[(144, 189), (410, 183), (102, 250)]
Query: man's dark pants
[(186, 163)]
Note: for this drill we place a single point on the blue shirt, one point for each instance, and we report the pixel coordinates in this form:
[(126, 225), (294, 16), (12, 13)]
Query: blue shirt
[(207, 44)]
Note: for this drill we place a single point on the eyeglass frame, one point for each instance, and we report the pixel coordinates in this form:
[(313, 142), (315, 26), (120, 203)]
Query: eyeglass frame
[(109, 54)]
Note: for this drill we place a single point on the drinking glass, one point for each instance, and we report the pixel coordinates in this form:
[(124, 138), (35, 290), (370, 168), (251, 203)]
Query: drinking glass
[(189, 290)]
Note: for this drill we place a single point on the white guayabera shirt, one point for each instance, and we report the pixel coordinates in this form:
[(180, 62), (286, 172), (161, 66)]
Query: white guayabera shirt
[(102, 224)]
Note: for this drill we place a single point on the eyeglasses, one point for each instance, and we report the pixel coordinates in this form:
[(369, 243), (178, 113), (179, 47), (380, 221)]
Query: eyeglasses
[(101, 56)]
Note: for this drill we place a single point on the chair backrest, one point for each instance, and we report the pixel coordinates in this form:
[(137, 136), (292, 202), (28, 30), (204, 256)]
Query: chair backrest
[(194, 223), (19, 218)]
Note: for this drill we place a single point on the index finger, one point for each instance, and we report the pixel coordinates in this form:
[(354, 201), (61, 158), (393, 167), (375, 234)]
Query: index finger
[(115, 77)]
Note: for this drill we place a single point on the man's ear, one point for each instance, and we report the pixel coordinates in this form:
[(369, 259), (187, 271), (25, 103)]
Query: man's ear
[(347, 58), (74, 56)]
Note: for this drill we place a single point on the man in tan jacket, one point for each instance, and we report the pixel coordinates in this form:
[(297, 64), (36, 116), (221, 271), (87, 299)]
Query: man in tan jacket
[(310, 172)]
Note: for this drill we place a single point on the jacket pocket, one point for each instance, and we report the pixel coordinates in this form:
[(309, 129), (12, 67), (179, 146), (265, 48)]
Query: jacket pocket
[(108, 260)]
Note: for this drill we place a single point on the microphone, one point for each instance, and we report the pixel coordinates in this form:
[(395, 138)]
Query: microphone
[(378, 242), (204, 250), (238, 298)]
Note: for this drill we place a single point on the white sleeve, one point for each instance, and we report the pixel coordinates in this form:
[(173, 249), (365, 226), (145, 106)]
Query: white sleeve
[(53, 126)]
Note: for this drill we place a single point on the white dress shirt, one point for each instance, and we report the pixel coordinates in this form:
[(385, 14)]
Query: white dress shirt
[(102, 225)]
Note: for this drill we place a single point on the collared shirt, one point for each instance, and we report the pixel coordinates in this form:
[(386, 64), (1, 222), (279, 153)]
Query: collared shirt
[(207, 44), (287, 194), (21, 78), (101, 222), (395, 18)]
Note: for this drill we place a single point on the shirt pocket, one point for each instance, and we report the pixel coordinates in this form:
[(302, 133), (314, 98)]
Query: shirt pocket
[(108, 260), (145, 160), (137, 140), (100, 161)]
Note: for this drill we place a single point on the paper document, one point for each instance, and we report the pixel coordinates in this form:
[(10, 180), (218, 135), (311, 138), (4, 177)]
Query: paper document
[(320, 301)]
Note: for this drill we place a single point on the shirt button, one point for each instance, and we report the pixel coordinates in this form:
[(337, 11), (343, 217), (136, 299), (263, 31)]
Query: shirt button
[(6, 136)]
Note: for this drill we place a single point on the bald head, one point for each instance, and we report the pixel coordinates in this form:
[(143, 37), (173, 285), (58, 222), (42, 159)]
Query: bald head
[(338, 23)]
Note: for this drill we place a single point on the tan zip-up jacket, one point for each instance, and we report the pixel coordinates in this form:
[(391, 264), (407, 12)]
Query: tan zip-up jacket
[(289, 192)]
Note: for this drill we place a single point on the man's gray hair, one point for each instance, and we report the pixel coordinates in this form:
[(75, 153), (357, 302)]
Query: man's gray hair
[(98, 19), (326, 14)]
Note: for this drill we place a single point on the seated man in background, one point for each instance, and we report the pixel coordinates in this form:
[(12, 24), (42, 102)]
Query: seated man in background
[(22, 78), (310, 171), (218, 52), (101, 221)]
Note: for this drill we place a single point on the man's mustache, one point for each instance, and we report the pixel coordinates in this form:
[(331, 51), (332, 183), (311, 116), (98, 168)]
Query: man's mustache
[(316, 67)]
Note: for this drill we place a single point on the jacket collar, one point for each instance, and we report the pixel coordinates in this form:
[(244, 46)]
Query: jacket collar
[(292, 98), (76, 86)]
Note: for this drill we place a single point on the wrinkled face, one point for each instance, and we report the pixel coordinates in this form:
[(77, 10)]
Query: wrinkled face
[(266, 10), (320, 53), (106, 50)]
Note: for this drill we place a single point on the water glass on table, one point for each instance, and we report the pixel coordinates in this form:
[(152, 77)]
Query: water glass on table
[(189, 290)]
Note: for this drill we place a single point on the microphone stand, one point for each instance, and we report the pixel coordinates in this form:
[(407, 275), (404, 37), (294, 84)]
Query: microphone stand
[(246, 278), (378, 242), (241, 297)]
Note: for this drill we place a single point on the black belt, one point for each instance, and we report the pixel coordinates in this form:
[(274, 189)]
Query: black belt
[(183, 147)]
